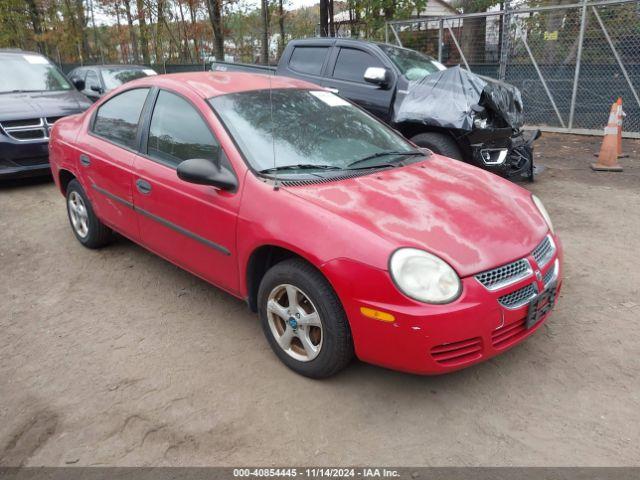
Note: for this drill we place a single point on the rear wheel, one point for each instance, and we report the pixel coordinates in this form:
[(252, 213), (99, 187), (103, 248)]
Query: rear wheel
[(86, 226), (439, 143), (303, 320)]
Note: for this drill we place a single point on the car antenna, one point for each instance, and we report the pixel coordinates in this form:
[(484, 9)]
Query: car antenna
[(273, 140)]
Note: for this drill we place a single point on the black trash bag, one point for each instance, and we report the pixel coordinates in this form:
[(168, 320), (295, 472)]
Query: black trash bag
[(445, 99)]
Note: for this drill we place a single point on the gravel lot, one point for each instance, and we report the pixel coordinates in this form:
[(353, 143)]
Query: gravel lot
[(116, 357)]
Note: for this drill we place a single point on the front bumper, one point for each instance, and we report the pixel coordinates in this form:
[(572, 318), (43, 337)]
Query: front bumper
[(23, 159), (433, 339), (509, 157)]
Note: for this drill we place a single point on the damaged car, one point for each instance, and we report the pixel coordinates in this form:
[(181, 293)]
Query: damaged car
[(450, 111)]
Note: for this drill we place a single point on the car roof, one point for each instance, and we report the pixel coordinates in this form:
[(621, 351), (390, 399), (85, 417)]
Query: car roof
[(213, 84)]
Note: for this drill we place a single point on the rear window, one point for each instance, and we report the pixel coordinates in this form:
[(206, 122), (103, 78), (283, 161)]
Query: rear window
[(308, 59), (117, 119), (114, 77)]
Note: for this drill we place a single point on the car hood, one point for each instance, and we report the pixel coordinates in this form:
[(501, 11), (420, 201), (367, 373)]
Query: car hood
[(469, 217), (19, 106), (446, 98)]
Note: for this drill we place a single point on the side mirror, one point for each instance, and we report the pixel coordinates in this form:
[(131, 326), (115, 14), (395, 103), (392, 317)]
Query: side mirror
[(78, 83), (377, 75), (96, 88), (205, 172)]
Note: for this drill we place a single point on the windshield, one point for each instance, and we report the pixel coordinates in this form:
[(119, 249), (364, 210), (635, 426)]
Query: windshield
[(30, 73), (309, 128), (114, 77), (413, 65)]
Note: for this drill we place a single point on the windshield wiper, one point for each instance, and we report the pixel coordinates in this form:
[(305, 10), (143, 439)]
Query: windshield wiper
[(299, 166), (383, 154)]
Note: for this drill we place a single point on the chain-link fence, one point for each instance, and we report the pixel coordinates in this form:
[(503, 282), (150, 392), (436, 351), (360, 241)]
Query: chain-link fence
[(571, 62)]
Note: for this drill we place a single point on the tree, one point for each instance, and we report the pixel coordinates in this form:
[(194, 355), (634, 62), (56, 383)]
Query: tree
[(144, 34), (264, 11), (215, 16)]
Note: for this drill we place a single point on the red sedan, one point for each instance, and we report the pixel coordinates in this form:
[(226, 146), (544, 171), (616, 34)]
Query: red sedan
[(342, 235)]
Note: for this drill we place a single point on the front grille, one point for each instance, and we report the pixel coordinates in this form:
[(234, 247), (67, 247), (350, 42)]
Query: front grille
[(551, 274), (29, 122), (520, 297), (544, 251), (51, 120), (457, 353), (505, 275), (29, 130), (508, 334)]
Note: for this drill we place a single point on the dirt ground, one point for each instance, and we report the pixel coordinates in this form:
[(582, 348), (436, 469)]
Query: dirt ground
[(116, 357)]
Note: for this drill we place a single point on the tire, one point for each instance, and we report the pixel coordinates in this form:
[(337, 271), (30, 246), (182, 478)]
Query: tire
[(87, 228), (439, 143), (314, 293)]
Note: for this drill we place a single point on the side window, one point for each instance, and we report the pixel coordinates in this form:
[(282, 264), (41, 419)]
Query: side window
[(308, 59), (117, 120), (177, 132), (92, 80), (351, 64)]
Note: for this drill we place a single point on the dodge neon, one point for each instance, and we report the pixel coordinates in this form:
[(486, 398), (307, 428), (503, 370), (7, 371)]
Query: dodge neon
[(344, 237)]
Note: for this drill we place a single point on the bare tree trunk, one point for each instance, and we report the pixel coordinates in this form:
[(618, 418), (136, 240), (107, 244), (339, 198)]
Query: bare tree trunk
[(281, 25), (34, 14), (132, 32), (194, 28), (264, 11), (324, 18), (185, 36), (119, 30), (144, 33), (82, 20), (215, 16)]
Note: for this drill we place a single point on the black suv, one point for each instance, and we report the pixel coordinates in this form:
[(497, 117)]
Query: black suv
[(448, 110), (33, 95)]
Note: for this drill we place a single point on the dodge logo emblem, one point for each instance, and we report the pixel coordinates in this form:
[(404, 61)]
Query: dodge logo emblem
[(538, 275)]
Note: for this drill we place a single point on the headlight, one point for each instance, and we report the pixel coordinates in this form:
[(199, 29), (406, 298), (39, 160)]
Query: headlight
[(423, 276), (543, 212), (480, 122)]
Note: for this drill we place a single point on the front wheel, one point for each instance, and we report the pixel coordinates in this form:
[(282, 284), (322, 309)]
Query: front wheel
[(303, 320), (439, 143)]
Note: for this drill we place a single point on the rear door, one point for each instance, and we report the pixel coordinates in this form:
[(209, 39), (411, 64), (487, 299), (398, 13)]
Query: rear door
[(345, 74), (192, 225), (105, 160)]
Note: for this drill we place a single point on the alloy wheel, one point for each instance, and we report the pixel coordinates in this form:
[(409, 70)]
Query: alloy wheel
[(78, 214), (294, 322)]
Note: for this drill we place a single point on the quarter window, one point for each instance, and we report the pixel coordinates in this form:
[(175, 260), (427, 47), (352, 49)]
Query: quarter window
[(308, 59), (351, 64), (177, 132), (117, 120)]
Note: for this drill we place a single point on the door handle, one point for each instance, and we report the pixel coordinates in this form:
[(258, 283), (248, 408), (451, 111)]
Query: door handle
[(84, 160), (143, 186)]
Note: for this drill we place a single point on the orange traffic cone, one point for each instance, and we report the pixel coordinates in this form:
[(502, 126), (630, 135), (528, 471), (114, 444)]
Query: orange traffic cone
[(608, 157), (621, 114)]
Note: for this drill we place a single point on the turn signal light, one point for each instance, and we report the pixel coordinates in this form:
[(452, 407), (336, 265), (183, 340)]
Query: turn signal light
[(377, 314)]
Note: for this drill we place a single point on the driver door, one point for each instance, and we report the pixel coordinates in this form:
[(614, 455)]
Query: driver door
[(191, 225)]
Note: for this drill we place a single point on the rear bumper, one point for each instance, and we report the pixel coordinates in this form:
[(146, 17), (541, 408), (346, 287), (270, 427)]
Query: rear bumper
[(433, 339), (23, 159)]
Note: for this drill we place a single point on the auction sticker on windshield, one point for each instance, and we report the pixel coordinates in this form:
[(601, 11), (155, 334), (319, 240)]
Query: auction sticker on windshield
[(330, 99), (36, 59)]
